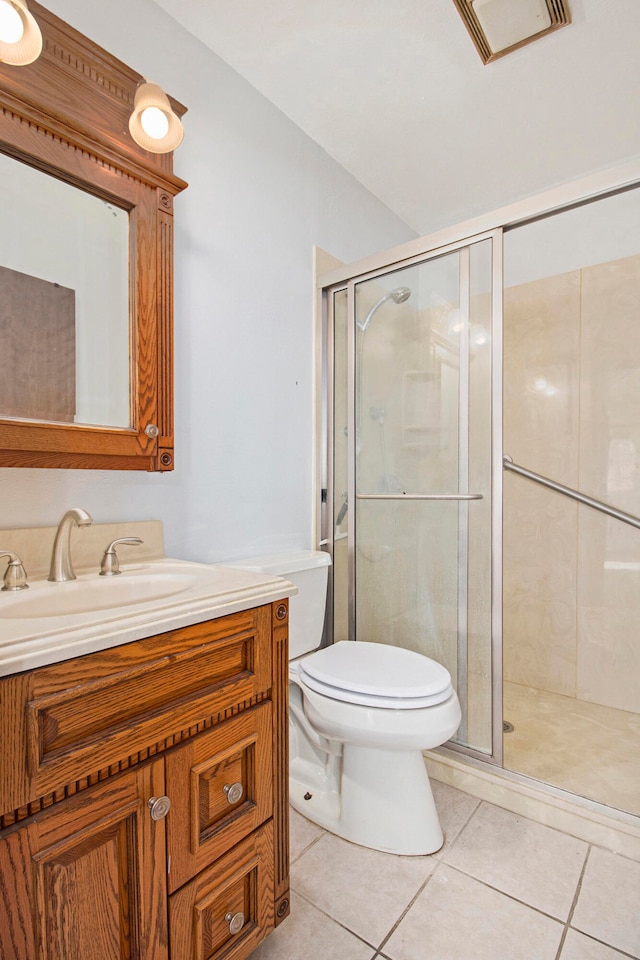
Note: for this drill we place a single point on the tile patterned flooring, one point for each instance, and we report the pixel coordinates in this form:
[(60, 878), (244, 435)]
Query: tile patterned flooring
[(502, 888)]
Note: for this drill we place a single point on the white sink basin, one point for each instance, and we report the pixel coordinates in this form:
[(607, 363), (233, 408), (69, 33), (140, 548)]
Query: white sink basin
[(99, 593), (51, 622)]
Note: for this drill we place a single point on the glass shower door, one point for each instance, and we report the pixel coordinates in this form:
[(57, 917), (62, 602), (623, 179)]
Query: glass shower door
[(420, 469), (571, 559)]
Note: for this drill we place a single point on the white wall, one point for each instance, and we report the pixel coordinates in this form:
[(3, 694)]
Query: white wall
[(598, 232), (261, 194)]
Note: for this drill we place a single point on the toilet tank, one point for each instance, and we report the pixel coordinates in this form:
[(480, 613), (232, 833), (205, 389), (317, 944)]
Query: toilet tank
[(308, 571)]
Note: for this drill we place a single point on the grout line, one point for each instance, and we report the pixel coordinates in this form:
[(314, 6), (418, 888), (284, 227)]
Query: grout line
[(464, 826), (436, 861), (573, 906), (408, 907), (616, 950), (550, 826), (568, 926), (379, 955), (614, 853), (338, 923), (440, 854), (579, 886), (401, 917), (311, 843), (510, 896)]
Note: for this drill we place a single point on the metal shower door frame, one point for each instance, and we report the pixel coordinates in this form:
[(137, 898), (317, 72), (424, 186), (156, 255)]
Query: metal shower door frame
[(463, 247)]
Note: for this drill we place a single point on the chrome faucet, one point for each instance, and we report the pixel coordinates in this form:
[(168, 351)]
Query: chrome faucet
[(110, 565), (61, 568)]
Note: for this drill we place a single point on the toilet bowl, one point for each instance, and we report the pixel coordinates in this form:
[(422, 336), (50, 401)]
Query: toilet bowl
[(361, 714)]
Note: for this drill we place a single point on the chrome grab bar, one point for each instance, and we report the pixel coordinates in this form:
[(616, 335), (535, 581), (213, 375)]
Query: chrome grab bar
[(419, 496), (629, 518)]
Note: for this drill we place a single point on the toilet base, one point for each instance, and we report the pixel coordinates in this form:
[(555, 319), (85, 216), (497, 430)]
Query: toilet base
[(381, 799)]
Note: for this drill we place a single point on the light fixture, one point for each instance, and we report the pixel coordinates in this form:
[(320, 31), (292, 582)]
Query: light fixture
[(153, 124), (500, 26), (20, 37)]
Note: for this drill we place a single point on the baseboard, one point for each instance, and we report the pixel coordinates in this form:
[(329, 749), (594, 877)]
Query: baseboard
[(590, 821)]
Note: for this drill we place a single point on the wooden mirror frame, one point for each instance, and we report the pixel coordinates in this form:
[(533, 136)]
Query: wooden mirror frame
[(67, 114)]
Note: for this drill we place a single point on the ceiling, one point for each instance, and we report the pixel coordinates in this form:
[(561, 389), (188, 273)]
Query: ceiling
[(395, 91)]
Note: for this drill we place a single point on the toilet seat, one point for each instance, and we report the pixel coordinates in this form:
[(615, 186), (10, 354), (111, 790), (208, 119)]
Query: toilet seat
[(376, 675)]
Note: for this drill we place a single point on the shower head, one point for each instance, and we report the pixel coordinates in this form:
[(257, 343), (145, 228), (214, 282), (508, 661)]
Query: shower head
[(399, 295)]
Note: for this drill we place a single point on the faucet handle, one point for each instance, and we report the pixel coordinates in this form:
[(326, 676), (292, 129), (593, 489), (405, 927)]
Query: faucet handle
[(110, 565), (15, 577)]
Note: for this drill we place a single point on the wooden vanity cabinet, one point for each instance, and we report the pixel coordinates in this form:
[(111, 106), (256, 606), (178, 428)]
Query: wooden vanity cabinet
[(87, 877), (91, 864)]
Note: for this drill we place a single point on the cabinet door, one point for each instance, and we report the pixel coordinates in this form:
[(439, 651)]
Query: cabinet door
[(228, 909), (220, 787), (86, 878)]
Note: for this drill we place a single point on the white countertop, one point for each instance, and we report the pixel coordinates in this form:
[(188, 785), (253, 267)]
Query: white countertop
[(199, 592)]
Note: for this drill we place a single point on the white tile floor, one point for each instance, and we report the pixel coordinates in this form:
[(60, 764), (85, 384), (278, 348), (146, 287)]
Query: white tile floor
[(502, 888)]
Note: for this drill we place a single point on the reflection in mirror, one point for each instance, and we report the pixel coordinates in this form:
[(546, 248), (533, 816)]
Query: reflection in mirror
[(64, 302)]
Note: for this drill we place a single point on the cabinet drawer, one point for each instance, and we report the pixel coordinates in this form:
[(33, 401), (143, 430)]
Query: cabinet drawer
[(237, 891), (84, 715), (220, 787)]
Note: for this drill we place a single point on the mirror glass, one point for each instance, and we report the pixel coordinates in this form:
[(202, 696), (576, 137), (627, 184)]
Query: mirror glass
[(64, 302)]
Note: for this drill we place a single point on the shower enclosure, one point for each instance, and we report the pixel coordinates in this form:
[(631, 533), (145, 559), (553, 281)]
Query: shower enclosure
[(441, 368), (411, 490)]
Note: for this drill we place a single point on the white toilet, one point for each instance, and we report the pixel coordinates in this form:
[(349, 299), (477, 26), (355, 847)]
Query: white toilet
[(360, 716)]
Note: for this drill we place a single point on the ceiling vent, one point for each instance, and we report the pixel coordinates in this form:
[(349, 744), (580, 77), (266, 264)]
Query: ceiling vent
[(500, 26)]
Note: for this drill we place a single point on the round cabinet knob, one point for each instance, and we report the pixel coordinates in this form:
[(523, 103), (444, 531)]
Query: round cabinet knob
[(159, 807), (234, 792), (235, 921)]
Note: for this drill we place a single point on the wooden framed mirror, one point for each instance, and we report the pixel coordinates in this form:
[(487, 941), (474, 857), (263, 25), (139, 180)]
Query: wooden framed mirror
[(86, 265)]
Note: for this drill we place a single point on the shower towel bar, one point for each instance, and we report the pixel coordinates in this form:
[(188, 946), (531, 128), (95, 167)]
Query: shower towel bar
[(569, 492), (419, 496)]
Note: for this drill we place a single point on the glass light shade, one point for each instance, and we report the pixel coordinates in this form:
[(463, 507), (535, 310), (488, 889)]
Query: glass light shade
[(153, 124), (11, 25), (20, 36)]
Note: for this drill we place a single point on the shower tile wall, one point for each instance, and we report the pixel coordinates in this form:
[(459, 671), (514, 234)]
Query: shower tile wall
[(572, 413), (541, 354), (608, 663)]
